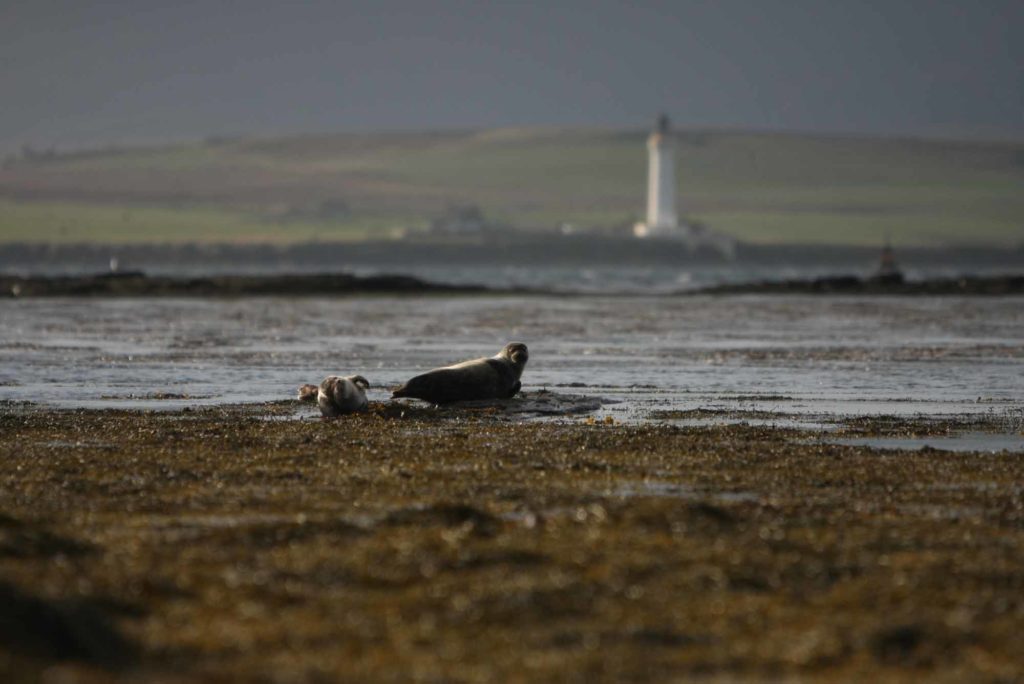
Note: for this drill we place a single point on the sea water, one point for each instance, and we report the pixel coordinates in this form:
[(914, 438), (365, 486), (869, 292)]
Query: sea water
[(798, 355)]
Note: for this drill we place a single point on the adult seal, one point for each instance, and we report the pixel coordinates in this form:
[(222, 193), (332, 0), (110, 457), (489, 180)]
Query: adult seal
[(337, 396), (493, 378)]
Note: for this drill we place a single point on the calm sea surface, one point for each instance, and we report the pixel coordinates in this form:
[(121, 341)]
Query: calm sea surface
[(804, 355)]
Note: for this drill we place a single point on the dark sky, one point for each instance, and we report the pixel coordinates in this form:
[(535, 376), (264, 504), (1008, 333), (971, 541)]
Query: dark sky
[(83, 72)]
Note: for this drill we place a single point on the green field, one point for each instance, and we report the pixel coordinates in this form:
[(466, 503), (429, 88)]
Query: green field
[(60, 221), (759, 187)]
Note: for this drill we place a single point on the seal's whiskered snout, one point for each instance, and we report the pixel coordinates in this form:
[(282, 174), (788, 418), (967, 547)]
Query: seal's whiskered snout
[(308, 393), (516, 352)]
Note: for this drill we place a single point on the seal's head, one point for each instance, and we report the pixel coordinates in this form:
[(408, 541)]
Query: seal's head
[(516, 352), (338, 396), (308, 392)]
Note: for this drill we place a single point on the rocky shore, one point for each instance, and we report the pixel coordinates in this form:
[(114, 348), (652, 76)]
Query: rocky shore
[(855, 285), (138, 284), (410, 543)]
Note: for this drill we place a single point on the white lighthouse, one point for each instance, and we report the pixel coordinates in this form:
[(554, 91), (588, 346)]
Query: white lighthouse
[(662, 220)]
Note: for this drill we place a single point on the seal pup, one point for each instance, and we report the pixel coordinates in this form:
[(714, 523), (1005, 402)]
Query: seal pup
[(308, 393), (337, 396), (493, 378)]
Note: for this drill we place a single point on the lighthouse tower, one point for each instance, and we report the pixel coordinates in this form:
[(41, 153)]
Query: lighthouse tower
[(662, 220)]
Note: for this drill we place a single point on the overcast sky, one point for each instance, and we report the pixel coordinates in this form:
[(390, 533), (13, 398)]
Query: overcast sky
[(83, 72)]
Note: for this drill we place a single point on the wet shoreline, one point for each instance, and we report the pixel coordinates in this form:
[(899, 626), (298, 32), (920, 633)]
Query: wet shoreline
[(462, 545)]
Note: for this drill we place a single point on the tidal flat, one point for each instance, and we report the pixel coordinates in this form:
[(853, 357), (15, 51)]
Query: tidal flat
[(237, 543)]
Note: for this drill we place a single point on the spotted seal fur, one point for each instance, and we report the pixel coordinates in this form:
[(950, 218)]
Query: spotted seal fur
[(496, 377), (337, 395)]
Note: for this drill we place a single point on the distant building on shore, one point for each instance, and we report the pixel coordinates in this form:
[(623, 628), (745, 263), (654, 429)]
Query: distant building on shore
[(662, 218), (461, 221)]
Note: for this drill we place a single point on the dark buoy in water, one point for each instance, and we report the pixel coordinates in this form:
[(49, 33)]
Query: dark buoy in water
[(888, 272)]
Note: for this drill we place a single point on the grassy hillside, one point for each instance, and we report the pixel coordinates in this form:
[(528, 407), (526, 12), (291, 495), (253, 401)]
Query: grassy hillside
[(766, 188)]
